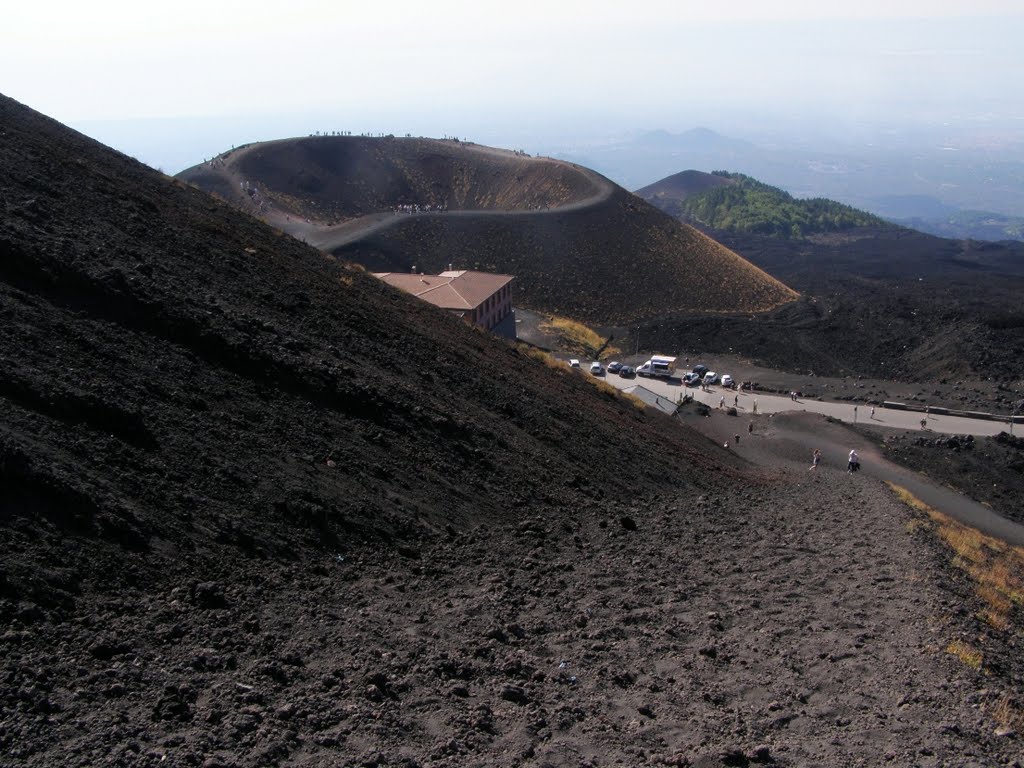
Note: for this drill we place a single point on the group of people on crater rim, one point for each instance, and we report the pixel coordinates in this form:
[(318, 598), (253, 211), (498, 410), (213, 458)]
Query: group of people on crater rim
[(417, 208)]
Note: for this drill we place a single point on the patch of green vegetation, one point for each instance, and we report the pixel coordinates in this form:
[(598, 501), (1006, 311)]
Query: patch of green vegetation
[(750, 206)]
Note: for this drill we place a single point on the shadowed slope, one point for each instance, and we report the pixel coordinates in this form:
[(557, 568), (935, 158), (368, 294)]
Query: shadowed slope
[(612, 263), (572, 238), (174, 369)]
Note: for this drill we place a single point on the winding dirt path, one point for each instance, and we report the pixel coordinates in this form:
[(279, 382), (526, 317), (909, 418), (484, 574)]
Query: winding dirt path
[(792, 436)]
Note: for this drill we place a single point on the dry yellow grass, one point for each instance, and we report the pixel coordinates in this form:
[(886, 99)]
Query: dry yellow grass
[(577, 338), (543, 357), (996, 568), (559, 365), (1008, 715), (968, 655)]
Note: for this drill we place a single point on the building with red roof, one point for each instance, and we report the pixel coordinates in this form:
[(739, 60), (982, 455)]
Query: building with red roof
[(481, 298)]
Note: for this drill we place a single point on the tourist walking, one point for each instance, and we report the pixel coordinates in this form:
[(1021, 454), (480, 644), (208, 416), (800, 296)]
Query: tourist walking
[(854, 463), (816, 460)]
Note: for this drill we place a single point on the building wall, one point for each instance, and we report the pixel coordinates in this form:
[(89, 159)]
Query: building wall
[(495, 309)]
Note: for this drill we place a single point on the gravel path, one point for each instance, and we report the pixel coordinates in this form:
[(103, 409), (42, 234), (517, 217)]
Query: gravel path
[(798, 623)]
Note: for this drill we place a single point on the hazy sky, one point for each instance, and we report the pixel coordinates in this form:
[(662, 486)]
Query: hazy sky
[(431, 66)]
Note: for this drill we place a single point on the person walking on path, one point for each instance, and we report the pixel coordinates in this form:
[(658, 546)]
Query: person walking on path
[(816, 460), (735, 401), (872, 411), (721, 402), (855, 414), (854, 463), (755, 407)]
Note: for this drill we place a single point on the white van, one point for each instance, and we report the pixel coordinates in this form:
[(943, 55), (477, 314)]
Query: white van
[(658, 366)]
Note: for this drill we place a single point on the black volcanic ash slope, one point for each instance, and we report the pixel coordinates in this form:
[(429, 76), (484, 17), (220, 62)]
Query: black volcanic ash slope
[(202, 420), (174, 371)]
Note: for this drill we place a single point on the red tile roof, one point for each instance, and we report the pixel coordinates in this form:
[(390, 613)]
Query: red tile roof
[(460, 289)]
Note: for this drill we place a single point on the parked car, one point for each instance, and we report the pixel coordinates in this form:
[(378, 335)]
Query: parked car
[(727, 380), (691, 379), (613, 367), (596, 368), (710, 378), (574, 363), (700, 370), (626, 371)]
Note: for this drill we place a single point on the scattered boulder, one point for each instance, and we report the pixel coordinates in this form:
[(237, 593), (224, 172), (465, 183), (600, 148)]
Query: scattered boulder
[(515, 694), (208, 594)]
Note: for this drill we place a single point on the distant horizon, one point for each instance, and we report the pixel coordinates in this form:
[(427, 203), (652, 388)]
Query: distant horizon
[(174, 85), (173, 144)]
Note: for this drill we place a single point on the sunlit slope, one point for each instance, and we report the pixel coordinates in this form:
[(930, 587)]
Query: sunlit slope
[(732, 202), (577, 244), (614, 262), (174, 369)]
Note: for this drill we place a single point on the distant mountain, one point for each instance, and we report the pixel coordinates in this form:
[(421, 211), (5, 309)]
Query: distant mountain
[(679, 186), (733, 202), (866, 176), (693, 140)]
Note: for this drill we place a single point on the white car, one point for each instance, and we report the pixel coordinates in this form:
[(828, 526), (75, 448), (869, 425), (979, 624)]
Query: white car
[(710, 377), (574, 363), (727, 380), (596, 368)]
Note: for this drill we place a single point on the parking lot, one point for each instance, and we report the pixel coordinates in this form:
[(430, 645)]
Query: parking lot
[(751, 403)]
